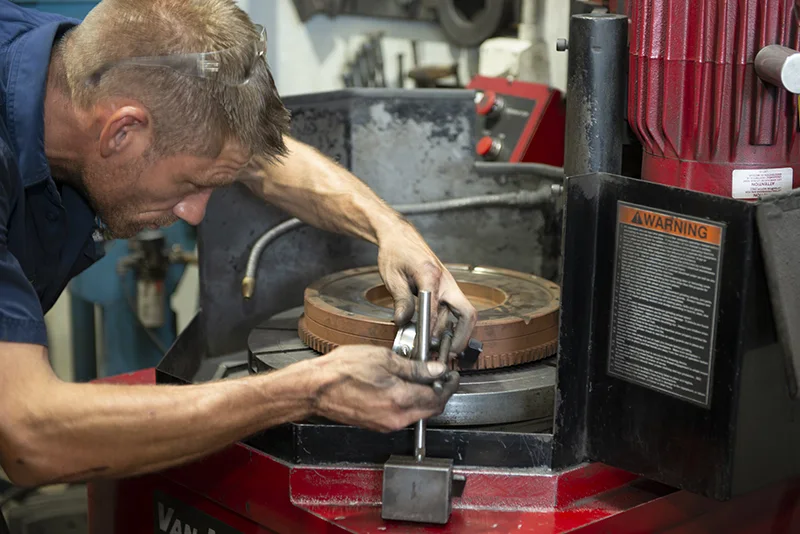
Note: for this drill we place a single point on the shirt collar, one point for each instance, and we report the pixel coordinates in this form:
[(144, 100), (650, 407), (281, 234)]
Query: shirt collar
[(25, 98)]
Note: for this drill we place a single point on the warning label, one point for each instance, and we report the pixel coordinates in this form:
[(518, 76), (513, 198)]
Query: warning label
[(750, 184), (666, 280)]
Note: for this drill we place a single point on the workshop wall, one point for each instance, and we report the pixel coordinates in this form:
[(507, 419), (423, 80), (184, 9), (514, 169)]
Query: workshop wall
[(556, 15), (310, 57)]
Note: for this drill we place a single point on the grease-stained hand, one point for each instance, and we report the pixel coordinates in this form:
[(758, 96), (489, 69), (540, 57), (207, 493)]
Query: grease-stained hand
[(407, 266), (373, 388)]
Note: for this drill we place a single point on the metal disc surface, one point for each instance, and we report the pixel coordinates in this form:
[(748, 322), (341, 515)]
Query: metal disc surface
[(517, 313), (489, 397)]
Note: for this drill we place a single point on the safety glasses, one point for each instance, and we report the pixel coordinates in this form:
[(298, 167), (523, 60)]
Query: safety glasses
[(208, 65)]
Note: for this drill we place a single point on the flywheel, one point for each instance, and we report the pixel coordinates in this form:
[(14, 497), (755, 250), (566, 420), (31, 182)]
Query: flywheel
[(517, 313)]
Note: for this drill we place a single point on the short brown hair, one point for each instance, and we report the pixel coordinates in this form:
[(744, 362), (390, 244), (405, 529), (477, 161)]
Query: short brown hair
[(189, 113)]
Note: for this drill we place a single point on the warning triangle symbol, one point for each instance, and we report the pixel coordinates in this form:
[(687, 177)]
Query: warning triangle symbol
[(637, 219)]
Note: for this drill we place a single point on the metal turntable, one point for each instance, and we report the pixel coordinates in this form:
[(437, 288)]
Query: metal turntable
[(513, 381)]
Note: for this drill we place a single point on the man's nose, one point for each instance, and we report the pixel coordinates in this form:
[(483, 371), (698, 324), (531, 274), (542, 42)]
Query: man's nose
[(192, 209)]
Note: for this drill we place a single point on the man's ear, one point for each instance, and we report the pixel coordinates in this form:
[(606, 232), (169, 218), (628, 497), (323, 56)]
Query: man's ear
[(127, 129)]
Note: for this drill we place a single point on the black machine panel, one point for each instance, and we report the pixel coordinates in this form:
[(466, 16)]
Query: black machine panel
[(711, 415)]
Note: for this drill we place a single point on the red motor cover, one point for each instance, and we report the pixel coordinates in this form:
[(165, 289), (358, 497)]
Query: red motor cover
[(707, 122)]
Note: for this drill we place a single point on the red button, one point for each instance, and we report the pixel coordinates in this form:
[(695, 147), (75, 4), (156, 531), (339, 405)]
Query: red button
[(484, 146), (486, 104)]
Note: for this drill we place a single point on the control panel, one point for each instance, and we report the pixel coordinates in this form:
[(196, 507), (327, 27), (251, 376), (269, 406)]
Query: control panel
[(518, 121)]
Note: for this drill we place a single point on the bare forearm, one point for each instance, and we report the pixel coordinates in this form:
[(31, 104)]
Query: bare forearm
[(322, 193), (85, 431)]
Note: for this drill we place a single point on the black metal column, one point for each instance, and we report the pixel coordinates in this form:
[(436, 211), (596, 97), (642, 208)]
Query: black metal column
[(596, 93)]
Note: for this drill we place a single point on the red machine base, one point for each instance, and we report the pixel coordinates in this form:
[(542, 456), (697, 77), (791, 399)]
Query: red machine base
[(243, 491)]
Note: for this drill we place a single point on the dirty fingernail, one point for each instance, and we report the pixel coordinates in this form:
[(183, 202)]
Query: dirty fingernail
[(435, 368)]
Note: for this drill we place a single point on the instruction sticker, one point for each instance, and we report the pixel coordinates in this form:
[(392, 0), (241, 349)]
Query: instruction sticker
[(664, 309), (751, 184)]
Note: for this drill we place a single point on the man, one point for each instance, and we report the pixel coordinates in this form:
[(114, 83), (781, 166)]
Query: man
[(132, 118)]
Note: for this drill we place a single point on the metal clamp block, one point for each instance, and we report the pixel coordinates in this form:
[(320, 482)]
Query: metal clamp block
[(417, 490)]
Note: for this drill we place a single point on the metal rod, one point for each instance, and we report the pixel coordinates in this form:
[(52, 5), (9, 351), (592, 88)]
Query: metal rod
[(596, 93), (423, 352), (445, 344), (779, 66)]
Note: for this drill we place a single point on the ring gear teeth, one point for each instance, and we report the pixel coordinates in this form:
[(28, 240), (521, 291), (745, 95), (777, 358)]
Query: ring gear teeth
[(490, 361), (508, 359), (315, 343)]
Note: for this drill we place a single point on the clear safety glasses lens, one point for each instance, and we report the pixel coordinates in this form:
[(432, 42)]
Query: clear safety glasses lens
[(216, 66)]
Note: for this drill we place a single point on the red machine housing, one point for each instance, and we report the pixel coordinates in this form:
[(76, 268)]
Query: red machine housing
[(243, 491), (705, 119), (520, 122)]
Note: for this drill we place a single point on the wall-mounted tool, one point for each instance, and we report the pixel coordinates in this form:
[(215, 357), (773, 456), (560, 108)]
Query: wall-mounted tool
[(431, 76), (367, 67), (419, 488)]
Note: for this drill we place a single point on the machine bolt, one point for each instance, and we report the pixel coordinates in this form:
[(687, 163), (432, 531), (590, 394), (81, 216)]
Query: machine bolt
[(556, 189), (562, 45)]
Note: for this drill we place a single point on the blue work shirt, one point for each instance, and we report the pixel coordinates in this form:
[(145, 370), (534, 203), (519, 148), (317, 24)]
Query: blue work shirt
[(46, 228)]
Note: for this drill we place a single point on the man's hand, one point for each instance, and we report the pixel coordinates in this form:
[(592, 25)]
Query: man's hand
[(407, 266), (371, 387)]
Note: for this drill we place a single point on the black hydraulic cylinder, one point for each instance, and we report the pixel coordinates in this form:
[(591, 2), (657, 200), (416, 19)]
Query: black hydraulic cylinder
[(596, 93)]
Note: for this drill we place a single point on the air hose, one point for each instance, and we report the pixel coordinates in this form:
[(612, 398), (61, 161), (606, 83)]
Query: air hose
[(518, 199)]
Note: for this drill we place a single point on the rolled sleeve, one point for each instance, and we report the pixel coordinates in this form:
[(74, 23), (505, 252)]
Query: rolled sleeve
[(21, 316)]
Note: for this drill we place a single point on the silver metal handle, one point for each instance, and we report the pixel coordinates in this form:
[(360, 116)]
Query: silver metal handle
[(423, 345), (779, 66)]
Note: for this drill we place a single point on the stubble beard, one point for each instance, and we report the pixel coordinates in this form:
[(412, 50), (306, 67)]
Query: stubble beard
[(111, 196)]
